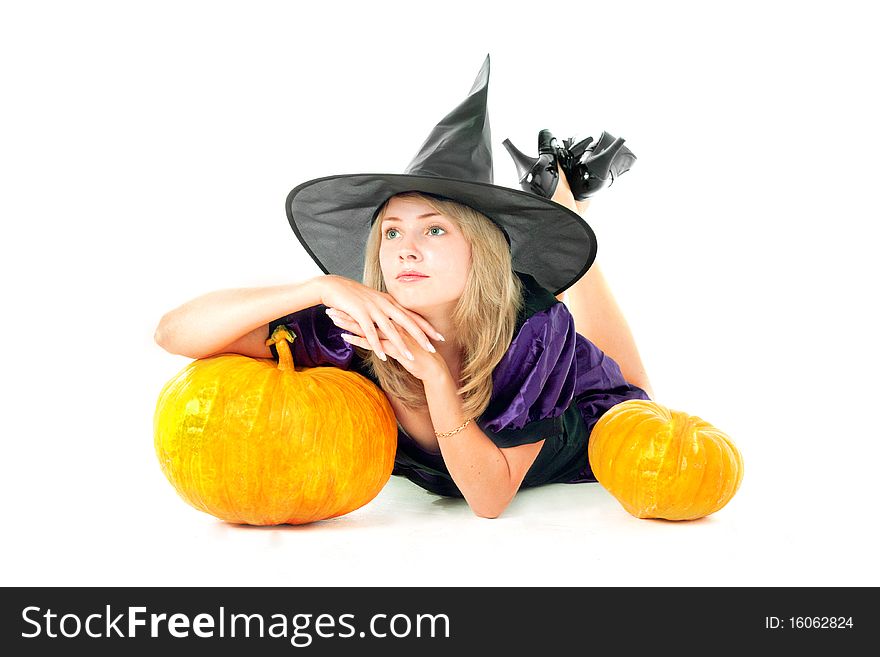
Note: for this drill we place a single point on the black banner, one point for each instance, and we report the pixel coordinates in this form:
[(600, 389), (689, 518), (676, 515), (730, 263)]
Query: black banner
[(399, 620)]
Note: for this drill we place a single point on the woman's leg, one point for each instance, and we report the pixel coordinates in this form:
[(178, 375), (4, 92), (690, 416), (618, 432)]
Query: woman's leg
[(597, 316)]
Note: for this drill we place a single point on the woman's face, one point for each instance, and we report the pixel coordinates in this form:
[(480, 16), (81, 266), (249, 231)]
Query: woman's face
[(415, 237)]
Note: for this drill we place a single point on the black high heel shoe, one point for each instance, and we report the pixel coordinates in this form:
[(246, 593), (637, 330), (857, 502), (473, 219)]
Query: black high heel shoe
[(588, 166), (538, 175)]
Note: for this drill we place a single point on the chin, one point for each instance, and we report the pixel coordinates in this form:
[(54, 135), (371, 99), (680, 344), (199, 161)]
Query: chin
[(411, 303), (406, 300), (418, 299), (412, 300)]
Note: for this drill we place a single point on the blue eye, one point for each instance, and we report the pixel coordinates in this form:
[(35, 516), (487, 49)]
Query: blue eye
[(431, 228)]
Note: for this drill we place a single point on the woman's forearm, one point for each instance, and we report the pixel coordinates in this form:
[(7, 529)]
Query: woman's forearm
[(475, 463), (214, 320)]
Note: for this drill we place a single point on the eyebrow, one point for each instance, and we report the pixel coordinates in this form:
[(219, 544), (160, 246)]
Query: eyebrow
[(421, 216)]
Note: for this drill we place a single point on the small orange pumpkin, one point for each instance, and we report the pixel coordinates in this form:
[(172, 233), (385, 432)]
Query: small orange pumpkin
[(660, 463), (251, 441)]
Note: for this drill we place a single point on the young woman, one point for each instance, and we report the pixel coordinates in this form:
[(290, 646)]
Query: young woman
[(496, 385)]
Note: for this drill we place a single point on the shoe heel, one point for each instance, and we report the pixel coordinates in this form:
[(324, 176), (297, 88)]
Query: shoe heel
[(578, 149), (605, 140), (600, 165), (537, 175), (622, 163), (524, 164)]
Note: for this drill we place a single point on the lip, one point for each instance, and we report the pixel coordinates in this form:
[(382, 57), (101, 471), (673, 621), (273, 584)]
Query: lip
[(410, 276)]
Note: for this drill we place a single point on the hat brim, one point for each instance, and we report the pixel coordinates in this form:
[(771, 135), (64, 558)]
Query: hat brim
[(332, 218)]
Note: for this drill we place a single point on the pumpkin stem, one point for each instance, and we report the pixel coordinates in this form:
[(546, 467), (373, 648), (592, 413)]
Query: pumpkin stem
[(280, 337)]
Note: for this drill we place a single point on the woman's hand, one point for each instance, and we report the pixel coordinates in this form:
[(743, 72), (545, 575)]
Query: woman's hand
[(424, 364), (371, 311), (414, 366)]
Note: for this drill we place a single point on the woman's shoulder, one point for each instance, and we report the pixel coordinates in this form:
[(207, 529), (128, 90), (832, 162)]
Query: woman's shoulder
[(536, 299)]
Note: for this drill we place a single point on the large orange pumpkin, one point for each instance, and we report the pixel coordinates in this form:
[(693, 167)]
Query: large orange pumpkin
[(253, 441), (661, 463)]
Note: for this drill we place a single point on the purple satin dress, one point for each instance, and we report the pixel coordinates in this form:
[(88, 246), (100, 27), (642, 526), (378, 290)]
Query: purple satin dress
[(552, 384)]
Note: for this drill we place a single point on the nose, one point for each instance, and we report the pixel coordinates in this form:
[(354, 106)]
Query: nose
[(407, 249)]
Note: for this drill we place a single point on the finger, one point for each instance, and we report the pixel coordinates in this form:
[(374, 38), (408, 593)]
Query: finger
[(369, 332), (414, 327), (393, 335), (389, 347), (335, 312), (356, 340), (347, 324), (344, 321), (426, 327)]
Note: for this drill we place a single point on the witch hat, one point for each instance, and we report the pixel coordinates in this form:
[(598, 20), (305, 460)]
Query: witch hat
[(332, 216)]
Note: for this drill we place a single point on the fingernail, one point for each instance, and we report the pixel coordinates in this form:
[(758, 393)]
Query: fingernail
[(410, 356), (430, 348), (382, 355), (441, 337), (329, 311)]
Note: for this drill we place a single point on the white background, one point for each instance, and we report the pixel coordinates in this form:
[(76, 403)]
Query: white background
[(147, 150)]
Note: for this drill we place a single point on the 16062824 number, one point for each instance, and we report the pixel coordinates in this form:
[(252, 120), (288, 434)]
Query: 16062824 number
[(820, 622)]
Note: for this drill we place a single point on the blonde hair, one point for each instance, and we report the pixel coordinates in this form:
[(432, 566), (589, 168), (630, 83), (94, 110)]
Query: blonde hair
[(484, 318)]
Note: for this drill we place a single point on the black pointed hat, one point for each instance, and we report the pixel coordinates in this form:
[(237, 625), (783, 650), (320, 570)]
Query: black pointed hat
[(332, 216)]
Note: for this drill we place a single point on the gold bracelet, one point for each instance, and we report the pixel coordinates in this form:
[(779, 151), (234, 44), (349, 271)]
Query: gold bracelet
[(453, 432)]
